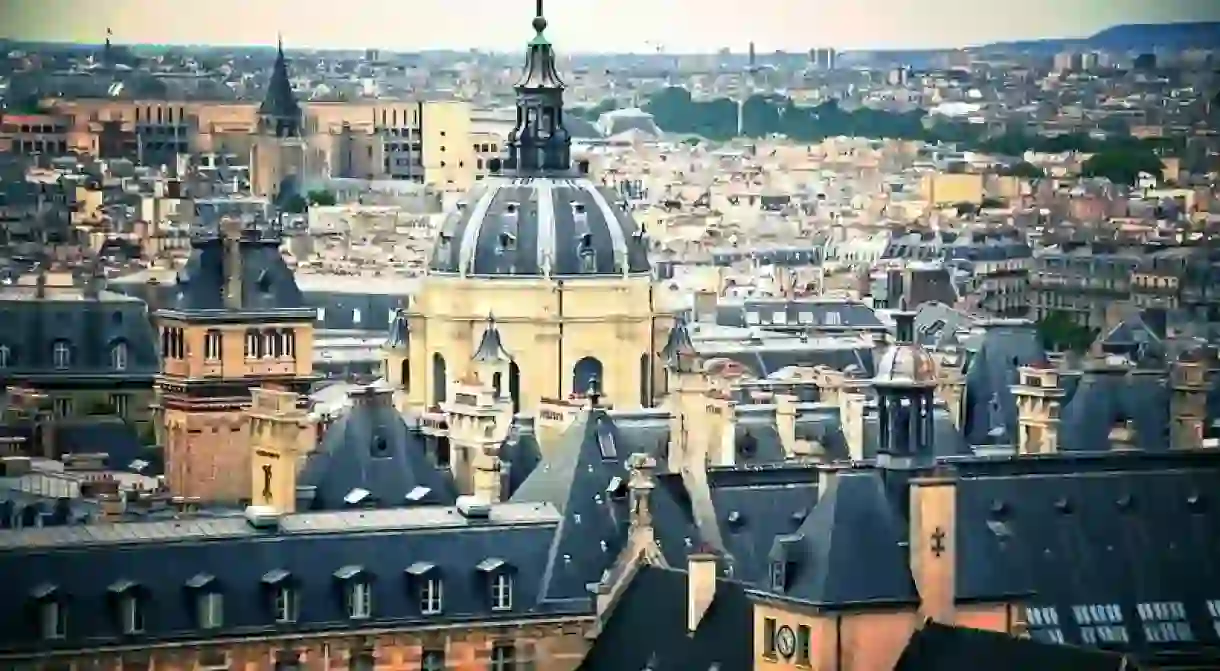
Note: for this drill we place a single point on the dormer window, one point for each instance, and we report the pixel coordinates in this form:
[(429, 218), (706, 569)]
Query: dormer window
[(61, 355), (511, 208), (285, 599), (130, 606), (779, 575), (118, 356), (52, 612), (429, 588), (499, 577), (357, 591), (208, 601), (508, 242), (578, 208)]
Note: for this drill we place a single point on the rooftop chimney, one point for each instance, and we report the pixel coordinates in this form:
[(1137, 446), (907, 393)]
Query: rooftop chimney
[(701, 586)]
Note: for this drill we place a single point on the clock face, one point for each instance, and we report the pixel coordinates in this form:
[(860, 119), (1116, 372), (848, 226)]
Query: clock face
[(785, 641)]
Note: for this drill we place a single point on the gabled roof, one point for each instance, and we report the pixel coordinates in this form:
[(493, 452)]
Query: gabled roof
[(647, 630), (830, 561), (580, 480), (371, 448)]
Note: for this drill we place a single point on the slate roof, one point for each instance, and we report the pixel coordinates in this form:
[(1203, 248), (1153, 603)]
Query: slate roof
[(586, 481), (541, 226), (1110, 395), (91, 329), (393, 549), (647, 629), (752, 507), (267, 282), (938, 647), (830, 563), (371, 448), (990, 409), (1093, 530)]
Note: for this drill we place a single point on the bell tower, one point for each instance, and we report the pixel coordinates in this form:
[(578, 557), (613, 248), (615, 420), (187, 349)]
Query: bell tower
[(277, 155), (539, 142), (235, 321)]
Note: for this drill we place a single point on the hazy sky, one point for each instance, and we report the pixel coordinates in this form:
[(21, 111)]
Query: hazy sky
[(584, 25)]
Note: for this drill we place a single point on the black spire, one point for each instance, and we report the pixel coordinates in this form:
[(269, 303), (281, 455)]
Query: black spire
[(539, 142), (280, 114)]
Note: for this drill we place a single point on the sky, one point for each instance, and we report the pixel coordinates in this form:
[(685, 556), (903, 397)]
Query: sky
[(579, 26)]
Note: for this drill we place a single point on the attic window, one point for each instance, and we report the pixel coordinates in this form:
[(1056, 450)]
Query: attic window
[(508, 242), (1125, 502), (999, 508), (734, 519), (605, 441), (1063, 505), (356, 496), (1196, 502), (578, 208), (511, 208)]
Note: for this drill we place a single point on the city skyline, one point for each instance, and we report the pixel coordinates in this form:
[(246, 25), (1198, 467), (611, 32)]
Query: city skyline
[(584, 26)]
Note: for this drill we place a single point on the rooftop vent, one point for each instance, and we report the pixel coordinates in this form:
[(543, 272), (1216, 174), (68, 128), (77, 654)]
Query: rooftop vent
[(473, 508), (356, 496), (263, 517), (418, 494)]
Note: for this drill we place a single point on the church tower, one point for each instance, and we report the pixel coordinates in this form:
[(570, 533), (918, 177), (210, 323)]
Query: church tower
[(236, 321), (277, 155)]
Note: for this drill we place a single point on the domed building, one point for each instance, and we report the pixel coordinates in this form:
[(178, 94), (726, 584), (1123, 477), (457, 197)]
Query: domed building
[(539, 283)]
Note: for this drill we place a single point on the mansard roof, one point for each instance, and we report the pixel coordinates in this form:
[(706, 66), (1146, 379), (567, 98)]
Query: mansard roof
[(394, 548)]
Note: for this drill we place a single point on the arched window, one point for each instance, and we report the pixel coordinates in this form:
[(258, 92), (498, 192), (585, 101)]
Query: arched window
[(290, 343), (6, 356), (118, 355), (61, 354), (404, 375), (583, 373), (514, 385), (439, 381), (645, 381), (497, 384)]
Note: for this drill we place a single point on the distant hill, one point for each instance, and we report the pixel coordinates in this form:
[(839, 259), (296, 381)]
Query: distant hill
[(1128, 37)]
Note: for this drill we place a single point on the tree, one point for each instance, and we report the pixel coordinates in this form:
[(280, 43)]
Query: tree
[(1024, 170), (1060, 334), (1122, 165), (295, 204), (321, 197)]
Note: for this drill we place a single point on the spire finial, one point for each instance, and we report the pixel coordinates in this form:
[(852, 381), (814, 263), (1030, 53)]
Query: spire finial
[(594, 393), (539, 20)]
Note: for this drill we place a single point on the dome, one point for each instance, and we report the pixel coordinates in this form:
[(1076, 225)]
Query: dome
[(905, 362), (541, 227)]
